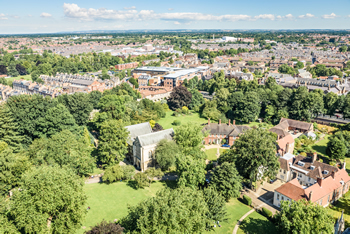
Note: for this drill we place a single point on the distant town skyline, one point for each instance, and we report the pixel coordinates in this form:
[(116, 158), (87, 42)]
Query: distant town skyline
[(39, 16)]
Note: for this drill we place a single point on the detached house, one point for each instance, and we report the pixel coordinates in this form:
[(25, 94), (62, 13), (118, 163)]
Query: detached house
[(217, 132)]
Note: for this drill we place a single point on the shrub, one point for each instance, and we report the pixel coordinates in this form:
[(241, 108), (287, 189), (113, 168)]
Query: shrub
[(176, 122), (267, 213), (185, 110), (247, 200), (303, 154)]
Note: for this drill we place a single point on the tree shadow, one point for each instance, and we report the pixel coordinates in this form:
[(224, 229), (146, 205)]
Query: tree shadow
[(320, 148), (169, 183), (257, 226), (132, 184), (342, 204)]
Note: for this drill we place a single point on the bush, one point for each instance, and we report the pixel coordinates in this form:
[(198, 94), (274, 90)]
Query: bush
[(176, 122), (247, 200), (303, 154), (267, 213)]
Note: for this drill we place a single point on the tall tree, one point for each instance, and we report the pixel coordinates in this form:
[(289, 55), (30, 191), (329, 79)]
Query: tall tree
[(113, 105), (79, 105), (65, 150), (330, 102), (51, 200), (181, 210), (303, 217), (112, 145), (179, 97), (336, 148), (254, 154), (166, 153), (55, 120), (9, 129), (216, 205), (190, 137), (191, 171), (226, 180)]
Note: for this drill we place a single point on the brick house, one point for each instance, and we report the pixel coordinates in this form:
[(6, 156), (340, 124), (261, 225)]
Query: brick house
[(126, 66), (323, 192), (218, 132)]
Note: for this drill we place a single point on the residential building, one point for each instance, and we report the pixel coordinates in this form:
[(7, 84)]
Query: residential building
[(326, 187), (155, 93), (126, 66), (295, 125), (218, 132)]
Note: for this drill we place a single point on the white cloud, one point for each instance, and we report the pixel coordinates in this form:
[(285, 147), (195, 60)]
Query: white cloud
[(30, 15), (331, 16), (306, 16), (45, 15), (287, 17), (170, 9), (177, 22), (3, 17), (129, 8), (16, 17), (72, 10)]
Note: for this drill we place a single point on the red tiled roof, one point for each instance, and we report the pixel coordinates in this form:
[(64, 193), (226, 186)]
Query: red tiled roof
[(292, 189)]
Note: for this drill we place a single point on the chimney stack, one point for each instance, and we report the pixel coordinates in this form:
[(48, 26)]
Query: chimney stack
[(333, 174), (208, 121), (229, 122), (287, 147), (233, 122), (319, 181), (314, 157), (310, 195), (219, 121)]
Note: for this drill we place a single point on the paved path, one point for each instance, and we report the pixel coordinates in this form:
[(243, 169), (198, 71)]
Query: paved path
[(243, 217)]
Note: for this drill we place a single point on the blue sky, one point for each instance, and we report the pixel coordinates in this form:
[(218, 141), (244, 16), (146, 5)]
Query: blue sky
[(38, 16)]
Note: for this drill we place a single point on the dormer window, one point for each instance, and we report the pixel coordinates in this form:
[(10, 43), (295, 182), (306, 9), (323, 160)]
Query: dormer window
[(301, 164), (325, 172), (312, 167)]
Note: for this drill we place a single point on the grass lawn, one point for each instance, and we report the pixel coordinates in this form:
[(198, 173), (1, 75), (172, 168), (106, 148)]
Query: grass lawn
[(211, 154), (256, 223), (110, 202), (321, 146), (26, 77), (235, 210), (166, 122)]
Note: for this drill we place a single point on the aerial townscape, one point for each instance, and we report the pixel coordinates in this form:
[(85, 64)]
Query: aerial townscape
[(160, 118)]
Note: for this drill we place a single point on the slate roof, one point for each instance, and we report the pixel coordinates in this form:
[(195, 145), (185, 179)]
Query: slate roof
[(225, 129), (138, 130), (155, 137)]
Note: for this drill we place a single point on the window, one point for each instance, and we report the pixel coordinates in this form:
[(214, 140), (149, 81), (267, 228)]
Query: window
[(300, 175), (282, 198), (329, 196), (284, 171), (278, 196), (280, 170), (309, 179), (321, 202)]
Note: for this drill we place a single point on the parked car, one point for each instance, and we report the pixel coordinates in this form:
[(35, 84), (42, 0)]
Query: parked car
[(272, 181), (226, 145)]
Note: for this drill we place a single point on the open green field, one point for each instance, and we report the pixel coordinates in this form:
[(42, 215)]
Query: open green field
[(211, 154), (256, 223), (110, 202), (26, 77), (321, 146), (169, 119), (235, 210)]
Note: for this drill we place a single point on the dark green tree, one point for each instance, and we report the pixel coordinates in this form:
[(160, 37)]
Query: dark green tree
[(61, 197), (166, 153), (113, 105), (191, 171), (9, 129), (303, 217), (226, 180), (106, 228), (79, 105), (336, 148), (112, 145), (216, 205), (179, 97)]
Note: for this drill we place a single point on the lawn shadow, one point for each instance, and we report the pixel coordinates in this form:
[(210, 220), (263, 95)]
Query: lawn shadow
[(132, 184), (320, 148), (342, 204), (256, 226)]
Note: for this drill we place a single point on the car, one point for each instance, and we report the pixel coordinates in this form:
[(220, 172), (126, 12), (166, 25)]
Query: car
[(226, 145), (272, 181)]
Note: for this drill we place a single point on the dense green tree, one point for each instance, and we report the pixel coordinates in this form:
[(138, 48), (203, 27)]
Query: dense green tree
[(221, 97), (197, 99), (12, 166), (106, 228), (336, 148), (330, 102), (254, 154), (95, 97), (216, 205), (63, 149), (11, 70), (226, 180), (189, 137), (166, 153), (181, 210), (303, 217), (112, 145), (79, 105), (299, 108), (179, 97), (9, 129), (113, 105), (55, 120), (210, 111), (113, 173), (191, 171), (51, 200), (141, 180), (247, 108)]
